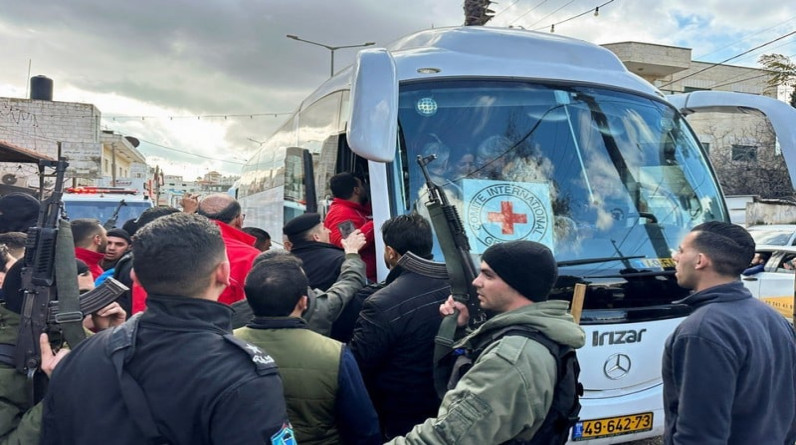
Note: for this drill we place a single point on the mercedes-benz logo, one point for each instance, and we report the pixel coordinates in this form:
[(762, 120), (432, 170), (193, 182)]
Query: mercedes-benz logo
[(616, 366)]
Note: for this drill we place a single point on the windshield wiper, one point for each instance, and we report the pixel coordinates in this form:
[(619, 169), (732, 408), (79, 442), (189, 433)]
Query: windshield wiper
[(598, 260)]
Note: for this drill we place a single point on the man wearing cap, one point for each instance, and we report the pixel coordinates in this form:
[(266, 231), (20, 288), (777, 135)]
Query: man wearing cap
[(18, 212), (506, 394), (118, 244), (309, 240), (227, 214)]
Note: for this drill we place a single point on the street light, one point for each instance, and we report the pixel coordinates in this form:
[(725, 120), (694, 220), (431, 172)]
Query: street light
[(330, 48)]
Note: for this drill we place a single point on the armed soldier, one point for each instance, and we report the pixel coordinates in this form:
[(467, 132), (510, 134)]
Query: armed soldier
[(20, 423), (507, 393)]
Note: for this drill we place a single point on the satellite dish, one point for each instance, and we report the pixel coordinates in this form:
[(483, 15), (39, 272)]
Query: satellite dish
[(133, 141)]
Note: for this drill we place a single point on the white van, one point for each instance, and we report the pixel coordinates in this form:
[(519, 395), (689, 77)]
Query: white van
[(101, 203)]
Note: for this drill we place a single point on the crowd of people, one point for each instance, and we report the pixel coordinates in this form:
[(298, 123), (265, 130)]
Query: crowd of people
[(223, 339)]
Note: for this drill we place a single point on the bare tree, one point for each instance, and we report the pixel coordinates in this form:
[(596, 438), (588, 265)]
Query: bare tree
[(477, 12), (747, 162)]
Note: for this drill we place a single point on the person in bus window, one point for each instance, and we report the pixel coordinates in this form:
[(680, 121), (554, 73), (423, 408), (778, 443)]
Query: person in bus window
[(464, 166), (490, 157), (729, 369)]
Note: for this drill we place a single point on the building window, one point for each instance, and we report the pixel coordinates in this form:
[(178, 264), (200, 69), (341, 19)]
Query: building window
[(744, 153), (107, 167)]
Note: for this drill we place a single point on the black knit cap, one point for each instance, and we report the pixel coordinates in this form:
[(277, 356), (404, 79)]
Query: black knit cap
[(301, 224), (526, 266), (18, 211), (120, 233)]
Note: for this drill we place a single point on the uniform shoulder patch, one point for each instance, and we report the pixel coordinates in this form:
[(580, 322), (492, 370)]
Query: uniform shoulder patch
[(263, 362), (511, 347), (284, 436)]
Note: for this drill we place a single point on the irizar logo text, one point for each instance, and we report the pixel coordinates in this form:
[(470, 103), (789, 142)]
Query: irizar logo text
[(616, 337)]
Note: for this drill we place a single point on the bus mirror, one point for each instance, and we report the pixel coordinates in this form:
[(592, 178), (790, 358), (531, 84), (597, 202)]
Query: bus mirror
[(373, 118)]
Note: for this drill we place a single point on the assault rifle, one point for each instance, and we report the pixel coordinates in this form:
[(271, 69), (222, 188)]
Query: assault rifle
[(111, 222), (461, 270), (49, 272)]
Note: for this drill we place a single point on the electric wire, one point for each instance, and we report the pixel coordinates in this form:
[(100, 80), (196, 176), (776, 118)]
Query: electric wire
[(727, 60)]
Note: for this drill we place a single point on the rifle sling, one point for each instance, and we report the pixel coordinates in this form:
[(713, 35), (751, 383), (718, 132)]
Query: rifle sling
[(69, 316)]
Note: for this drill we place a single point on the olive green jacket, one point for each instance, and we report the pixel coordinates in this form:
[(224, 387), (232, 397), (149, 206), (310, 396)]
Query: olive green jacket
[(309, 365), (323, 308), (18, 425), (508, 391)]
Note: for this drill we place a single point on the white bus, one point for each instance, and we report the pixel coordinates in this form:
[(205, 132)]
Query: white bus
[(538, 137)]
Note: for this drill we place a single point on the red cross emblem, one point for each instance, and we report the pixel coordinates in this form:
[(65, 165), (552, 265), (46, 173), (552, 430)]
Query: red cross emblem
[(507, 217)]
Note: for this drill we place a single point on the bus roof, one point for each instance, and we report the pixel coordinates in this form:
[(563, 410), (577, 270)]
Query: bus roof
[(477, 51)]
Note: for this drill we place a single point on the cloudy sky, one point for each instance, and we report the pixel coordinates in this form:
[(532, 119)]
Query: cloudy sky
[(202, 82)]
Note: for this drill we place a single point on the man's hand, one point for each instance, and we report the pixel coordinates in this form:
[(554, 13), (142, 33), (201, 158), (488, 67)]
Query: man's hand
[(189, 203), (353, 242), (49, 359), (450, 305), (108, 317)]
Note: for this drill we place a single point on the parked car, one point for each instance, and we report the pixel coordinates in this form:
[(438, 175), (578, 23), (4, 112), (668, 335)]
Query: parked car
[(774, 284), (774, 234)]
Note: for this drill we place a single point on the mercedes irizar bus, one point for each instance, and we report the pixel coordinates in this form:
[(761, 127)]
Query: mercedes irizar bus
[(537, 137)]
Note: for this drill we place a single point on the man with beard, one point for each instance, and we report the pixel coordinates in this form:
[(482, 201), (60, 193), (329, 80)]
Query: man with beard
[(90, 242), (349, 208)]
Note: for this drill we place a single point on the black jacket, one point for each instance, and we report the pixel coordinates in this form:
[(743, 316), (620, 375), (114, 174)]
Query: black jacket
[(394, 346), (322, 262), (201, 386)]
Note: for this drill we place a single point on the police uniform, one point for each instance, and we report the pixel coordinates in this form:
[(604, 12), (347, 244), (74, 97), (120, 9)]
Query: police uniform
[(196, 383)]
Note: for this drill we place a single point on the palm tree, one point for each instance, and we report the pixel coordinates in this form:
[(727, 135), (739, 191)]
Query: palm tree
[(783, 72), (477, 12)]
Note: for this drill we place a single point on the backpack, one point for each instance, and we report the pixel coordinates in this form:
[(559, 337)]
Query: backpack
[(565, 407)]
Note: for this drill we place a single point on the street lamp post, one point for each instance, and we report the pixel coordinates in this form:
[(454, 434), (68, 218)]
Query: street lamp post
[(332, 49)]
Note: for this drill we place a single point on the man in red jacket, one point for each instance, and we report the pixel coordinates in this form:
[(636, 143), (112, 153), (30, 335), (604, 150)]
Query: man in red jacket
[(226, 213), (349, 208), (90, 241)]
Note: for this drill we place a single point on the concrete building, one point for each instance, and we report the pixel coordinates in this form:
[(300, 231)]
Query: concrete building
[(66, 129), (742, 148)]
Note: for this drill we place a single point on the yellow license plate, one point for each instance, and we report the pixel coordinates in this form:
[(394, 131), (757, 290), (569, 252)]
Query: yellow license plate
[(612, 426), (663, 263)]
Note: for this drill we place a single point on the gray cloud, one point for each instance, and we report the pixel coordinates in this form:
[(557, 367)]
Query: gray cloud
[(232, 57)]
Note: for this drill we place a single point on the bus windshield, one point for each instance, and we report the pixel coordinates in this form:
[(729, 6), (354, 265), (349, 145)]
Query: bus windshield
[(610, 181)]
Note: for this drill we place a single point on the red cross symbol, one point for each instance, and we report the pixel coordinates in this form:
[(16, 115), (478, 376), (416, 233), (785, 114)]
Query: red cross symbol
[(507, 217)]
